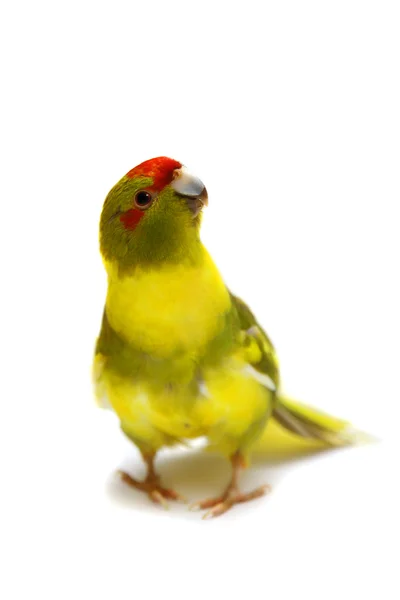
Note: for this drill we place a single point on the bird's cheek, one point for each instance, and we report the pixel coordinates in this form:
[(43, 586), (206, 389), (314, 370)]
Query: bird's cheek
[(131, 218)]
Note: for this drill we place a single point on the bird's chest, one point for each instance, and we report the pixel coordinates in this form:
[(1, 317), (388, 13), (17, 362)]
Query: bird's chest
[(168, 311)]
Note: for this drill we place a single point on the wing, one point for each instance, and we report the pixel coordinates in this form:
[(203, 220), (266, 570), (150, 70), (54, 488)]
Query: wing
[(261, 352)]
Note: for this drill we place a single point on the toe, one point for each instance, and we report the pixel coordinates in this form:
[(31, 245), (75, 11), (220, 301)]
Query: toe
[(126, 478), (157, 497), (218, 509), (172, 495), (204, 504), (257, 493), (219, 506)]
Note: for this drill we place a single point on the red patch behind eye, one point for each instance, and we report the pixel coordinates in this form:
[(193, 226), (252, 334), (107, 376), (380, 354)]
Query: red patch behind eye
[(160, 169), (131, 218)]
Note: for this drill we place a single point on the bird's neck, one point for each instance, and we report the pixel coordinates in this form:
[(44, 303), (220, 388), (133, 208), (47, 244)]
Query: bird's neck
[(167, 307), (180, 246)]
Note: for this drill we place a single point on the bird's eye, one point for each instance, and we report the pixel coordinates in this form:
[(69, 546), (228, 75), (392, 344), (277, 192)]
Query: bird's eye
[(143, 199)]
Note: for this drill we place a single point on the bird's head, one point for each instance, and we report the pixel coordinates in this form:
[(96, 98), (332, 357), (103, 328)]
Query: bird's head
[(152, 214)]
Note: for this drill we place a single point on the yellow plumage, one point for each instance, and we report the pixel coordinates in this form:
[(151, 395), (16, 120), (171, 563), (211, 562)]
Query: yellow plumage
[(184, 318), (178, 355), (169, 307)]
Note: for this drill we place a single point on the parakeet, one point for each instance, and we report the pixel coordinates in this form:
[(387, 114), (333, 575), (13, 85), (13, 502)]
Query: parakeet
[(179, 356)]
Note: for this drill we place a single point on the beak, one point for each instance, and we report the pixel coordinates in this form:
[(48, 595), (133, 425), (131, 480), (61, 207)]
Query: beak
[(192, 188)]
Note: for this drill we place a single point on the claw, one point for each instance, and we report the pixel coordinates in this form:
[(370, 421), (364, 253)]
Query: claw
[(219, 509), (194, 506)]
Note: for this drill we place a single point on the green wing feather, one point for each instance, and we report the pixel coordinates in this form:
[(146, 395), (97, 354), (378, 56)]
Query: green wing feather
[(293, 416), (268, 362)]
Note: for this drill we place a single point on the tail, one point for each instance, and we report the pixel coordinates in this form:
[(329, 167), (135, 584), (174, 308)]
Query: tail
[(310, 423)]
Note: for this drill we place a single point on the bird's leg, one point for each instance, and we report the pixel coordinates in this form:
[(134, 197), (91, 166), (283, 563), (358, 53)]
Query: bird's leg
[(151, 485), (232, 495)]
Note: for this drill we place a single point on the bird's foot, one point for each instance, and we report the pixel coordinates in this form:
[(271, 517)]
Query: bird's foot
[(218, 506), (151, 486)]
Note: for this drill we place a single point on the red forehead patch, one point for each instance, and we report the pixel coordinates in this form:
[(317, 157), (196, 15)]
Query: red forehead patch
[(160, 169)]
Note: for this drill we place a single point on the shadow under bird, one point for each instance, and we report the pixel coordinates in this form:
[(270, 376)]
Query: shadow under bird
[(178, 355)]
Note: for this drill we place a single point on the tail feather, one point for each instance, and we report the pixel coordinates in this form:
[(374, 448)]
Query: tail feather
[(309, 422)]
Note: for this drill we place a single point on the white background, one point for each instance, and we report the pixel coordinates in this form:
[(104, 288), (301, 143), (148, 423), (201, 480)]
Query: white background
[(289, 112)]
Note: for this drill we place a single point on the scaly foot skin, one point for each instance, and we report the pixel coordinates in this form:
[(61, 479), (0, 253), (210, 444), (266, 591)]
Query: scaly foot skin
[(151, 486), (218, 506)]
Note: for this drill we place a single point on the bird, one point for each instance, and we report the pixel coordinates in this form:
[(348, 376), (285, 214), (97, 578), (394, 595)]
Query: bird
[(179, 356)]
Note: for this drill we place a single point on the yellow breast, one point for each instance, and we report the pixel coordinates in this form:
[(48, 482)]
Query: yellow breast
[(168, 309)]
